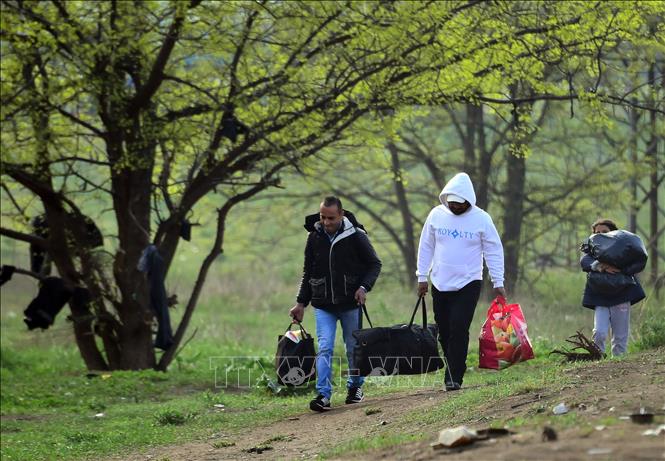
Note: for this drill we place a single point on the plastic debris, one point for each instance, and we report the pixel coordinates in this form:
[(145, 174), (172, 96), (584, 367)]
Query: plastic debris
[(660, 430), (600, 428), (560, 409), (599, 451), (100, 415), (455, 437)]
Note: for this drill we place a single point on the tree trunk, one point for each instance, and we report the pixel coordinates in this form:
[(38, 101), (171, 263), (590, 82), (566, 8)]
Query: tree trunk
[(651, 154), (634, 206), (84, 333), (514, 206), (131, 201), (469, 141), (409, 247), (512, 222), (484, 163)]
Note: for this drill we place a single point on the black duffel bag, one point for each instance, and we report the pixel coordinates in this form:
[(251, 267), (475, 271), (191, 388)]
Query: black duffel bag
[(608, 283), (619, 248), (397, 350), (295, 362)]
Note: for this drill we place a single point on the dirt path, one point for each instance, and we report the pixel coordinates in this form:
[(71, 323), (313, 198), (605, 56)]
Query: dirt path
[(599, 394)]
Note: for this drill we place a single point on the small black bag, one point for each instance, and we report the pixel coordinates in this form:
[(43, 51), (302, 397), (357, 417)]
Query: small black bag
[(609, 284), (295, 363), (397, 350)]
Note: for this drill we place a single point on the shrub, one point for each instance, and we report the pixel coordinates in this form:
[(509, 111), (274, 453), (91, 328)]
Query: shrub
[(651, 330), (649, 327), (170, 418)]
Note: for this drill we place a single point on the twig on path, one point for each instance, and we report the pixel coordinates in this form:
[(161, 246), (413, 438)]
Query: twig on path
[(580, 342)]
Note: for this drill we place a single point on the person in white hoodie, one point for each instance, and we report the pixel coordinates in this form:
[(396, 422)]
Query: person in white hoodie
[(455, 238)]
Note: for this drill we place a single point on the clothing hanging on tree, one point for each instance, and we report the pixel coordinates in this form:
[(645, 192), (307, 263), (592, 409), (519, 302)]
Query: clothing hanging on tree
[(152, 263), (51, 298)]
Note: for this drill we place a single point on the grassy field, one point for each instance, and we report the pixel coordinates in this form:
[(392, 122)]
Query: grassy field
[(52, 409)]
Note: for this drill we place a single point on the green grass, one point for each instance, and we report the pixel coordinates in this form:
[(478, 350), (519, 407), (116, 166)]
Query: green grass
[(481, 387), (49, 405), (364, 444)]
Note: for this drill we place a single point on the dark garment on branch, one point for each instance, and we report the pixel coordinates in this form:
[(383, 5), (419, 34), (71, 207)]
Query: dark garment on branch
[(93, 236), (38, 256), (453, 312), (152, 263), (51, 298), (232, 127), (6, 274), (39, 261), (186, 230)]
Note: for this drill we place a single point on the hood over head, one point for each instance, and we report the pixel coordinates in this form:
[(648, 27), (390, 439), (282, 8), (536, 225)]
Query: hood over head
[(311, 220), (460, 185)]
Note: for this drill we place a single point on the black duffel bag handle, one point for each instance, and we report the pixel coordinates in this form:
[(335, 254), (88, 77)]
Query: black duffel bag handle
[(364, 307), (415, 309), (302, 328), (413, 316)]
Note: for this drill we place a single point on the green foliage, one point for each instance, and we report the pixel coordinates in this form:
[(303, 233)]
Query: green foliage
[(364, 444), (171, 417), (82, 437), (125, 106)]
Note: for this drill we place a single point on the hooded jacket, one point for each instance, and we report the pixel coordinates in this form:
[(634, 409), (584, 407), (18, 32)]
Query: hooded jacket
[(333, 271), (452, 247)]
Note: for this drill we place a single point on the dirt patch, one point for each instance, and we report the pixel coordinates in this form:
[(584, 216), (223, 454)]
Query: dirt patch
[(601, 395), (598, 394)]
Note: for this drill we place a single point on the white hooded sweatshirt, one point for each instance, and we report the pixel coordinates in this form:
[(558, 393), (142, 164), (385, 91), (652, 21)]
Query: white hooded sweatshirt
[(453, 246)]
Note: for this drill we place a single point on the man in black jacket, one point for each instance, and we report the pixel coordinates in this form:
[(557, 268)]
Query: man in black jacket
[(340, 267)]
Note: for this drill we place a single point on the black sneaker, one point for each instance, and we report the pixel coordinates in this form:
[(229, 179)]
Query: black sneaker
[(453, 386), (320, 403), (355, 395)]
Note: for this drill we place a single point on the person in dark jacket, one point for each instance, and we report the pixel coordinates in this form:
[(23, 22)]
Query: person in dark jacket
[(340, 268), (610, 310)]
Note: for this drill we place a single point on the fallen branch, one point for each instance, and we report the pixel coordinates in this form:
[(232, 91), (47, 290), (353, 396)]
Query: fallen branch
[(580, 342)]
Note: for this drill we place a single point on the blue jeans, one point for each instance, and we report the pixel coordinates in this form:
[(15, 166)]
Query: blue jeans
[(326, 327)]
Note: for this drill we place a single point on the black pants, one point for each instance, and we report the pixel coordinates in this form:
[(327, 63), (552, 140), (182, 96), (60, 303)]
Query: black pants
[(453, 312)]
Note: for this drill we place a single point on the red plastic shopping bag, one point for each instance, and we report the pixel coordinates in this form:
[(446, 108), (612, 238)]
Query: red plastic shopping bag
[(503, 337)]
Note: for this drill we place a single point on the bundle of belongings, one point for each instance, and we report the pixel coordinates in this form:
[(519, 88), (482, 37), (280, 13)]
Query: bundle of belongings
[(621, 249)]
